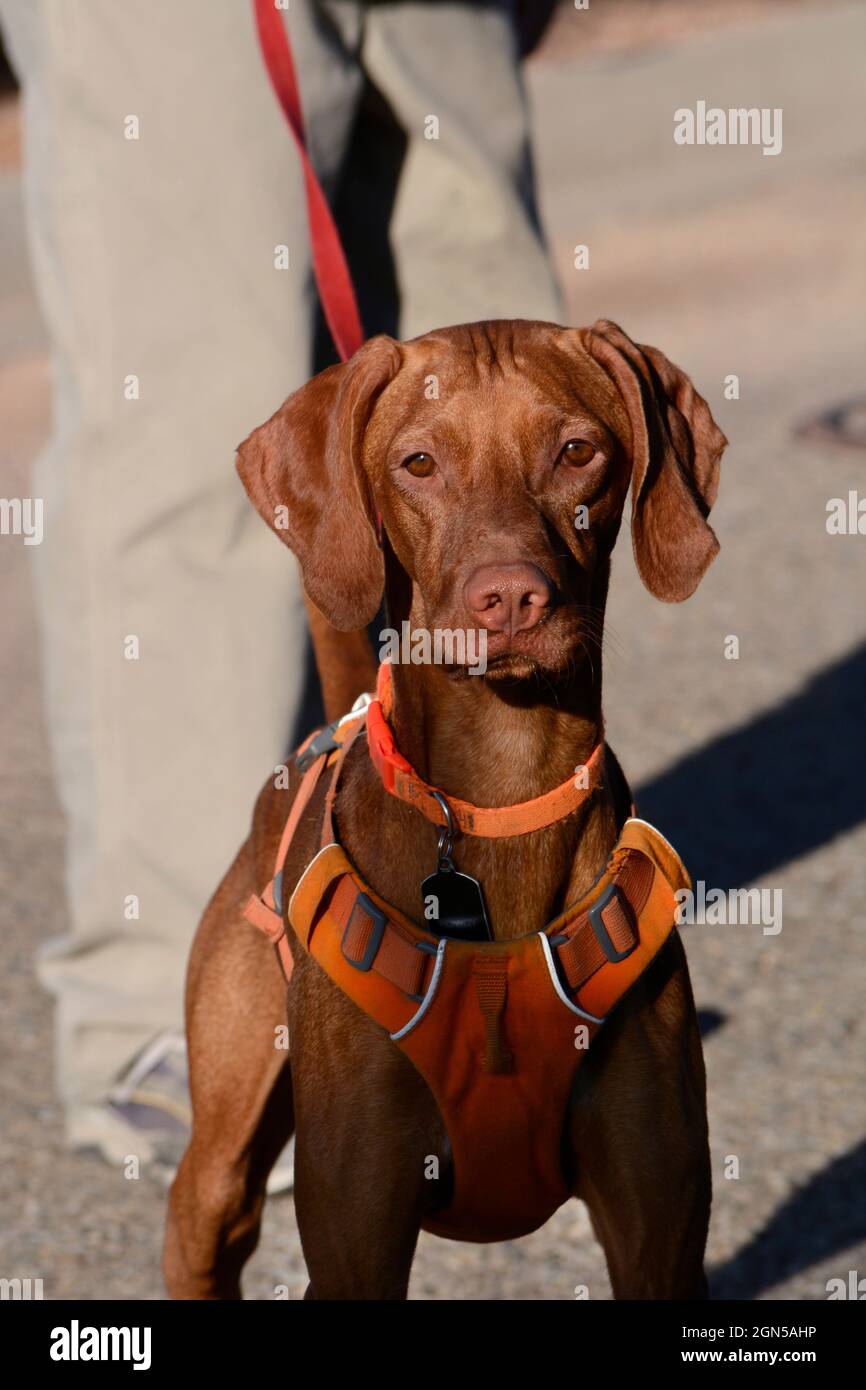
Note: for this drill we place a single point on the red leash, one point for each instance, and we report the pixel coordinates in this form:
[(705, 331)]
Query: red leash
[(329, 262)]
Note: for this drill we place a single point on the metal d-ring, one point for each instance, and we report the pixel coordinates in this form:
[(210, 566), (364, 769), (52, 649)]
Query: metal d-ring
[(445, 847)]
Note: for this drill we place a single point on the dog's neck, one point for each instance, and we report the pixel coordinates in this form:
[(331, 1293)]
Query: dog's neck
[(489, 743), (464, 737)]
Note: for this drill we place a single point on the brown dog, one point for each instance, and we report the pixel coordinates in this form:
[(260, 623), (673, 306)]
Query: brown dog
[(476, 445)]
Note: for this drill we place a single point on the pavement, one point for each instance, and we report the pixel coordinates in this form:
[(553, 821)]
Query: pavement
[(733, 263)]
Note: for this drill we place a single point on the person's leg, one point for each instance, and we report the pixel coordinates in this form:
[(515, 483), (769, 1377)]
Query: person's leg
[(464, 229), (160, 180)]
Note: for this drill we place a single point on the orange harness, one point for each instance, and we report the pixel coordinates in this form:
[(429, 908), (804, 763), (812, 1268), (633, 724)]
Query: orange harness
[(497, 1029)]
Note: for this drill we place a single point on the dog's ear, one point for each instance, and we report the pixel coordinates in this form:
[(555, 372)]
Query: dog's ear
[(304, 475), (676, 448)]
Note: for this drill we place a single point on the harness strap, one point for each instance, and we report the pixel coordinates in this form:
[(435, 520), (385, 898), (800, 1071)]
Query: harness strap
[(609, 929), (371, 941), (491, 986), (373, 937), (602, 928), (265, 911)]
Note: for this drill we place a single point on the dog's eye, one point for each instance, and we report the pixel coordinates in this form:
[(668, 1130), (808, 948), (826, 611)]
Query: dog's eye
[(577, 452), (420, 465)]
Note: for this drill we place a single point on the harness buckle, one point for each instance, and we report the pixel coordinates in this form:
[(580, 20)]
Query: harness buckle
[(379, 920), (613, 893), (321, 742)]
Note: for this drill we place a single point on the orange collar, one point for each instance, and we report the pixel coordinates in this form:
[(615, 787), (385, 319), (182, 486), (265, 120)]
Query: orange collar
[(492, 822)]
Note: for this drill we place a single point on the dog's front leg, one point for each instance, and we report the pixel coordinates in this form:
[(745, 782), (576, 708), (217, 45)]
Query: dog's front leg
[(241, 1091), (639, 1137), (366, 1124)]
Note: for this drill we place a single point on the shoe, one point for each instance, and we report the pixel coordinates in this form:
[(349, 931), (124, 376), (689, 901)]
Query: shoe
[(147, 1115)]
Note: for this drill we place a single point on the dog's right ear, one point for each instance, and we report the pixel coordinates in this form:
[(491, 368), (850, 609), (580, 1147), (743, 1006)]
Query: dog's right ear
[(303, 473)]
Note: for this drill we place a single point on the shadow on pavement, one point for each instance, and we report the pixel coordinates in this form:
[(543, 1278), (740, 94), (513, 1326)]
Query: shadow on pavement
[(827, 1215), (772, 790), (795, 777)]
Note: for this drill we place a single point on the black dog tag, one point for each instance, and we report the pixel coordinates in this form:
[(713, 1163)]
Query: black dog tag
[(453, 904)]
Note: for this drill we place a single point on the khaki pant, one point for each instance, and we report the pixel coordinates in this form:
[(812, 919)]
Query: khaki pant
[(173, 334)]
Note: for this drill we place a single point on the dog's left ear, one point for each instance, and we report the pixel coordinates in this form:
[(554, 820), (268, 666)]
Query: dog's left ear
[(676, 448)]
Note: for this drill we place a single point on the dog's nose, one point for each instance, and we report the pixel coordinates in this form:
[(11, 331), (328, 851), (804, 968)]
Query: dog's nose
[(508, 598)]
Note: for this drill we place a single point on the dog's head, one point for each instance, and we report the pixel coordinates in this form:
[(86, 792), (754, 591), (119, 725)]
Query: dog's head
[(498, 456)]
